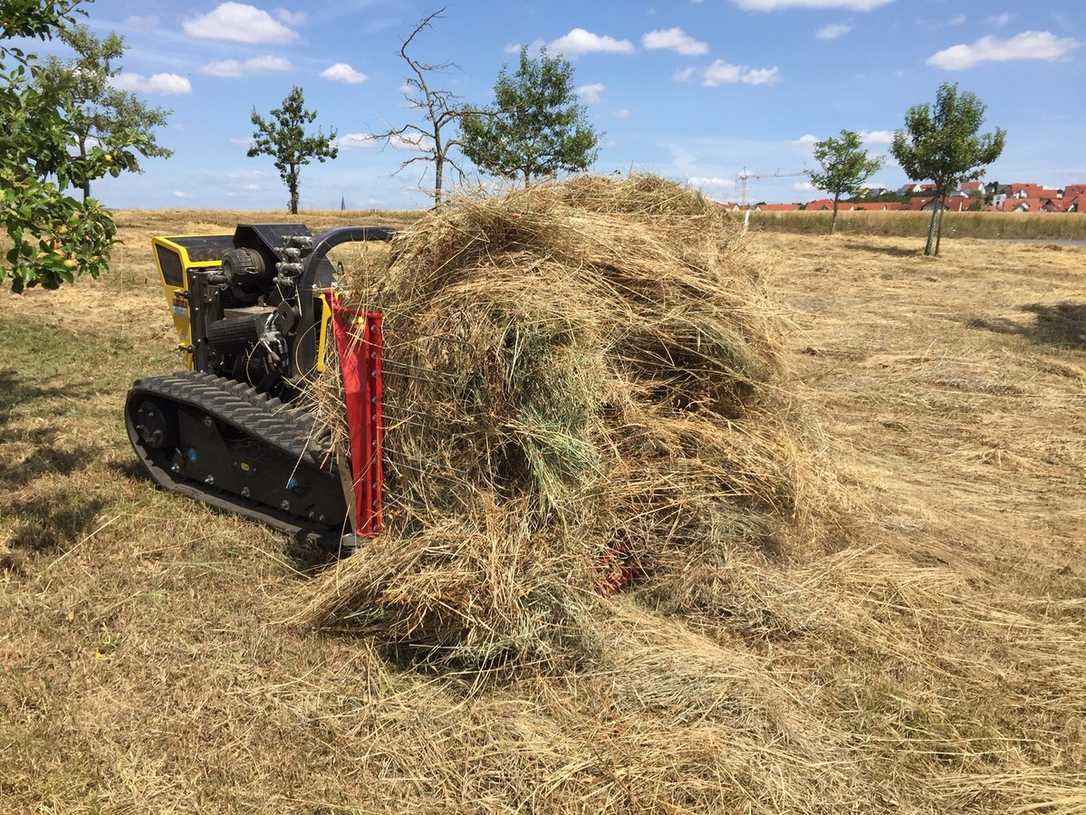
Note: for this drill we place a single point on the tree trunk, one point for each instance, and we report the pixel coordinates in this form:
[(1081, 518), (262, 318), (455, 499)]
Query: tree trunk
[(86, 179), (939, 230), (527, 179), (439, 178), (292, 185), (833, 221), (931, 228)]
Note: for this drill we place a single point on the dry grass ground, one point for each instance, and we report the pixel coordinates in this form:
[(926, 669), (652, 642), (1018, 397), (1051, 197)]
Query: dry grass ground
[(932, 661)]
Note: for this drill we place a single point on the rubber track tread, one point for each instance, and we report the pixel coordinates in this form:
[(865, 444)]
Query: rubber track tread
[(265, 419)]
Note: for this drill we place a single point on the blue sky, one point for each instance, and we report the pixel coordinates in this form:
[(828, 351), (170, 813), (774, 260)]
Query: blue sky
[(696, 90)]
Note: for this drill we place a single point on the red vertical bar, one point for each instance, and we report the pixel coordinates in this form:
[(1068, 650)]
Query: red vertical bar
[(376, 470), (360, 368)]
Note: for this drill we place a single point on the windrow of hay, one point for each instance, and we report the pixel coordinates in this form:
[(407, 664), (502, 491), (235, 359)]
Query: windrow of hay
[(582, 385)]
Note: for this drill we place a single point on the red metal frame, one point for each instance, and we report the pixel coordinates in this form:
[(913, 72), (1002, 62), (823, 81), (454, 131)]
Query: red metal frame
[(360, 367)]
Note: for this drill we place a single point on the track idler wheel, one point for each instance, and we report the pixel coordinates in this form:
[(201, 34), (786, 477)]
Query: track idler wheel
[(154, 427)]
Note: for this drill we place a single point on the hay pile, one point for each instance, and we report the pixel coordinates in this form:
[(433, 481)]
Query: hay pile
[(582, 389)]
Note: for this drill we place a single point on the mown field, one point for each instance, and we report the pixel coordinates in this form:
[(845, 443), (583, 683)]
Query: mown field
[(148, 661), (1052, 226)]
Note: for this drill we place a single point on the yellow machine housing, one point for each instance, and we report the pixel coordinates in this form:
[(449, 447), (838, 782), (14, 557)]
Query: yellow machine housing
[(175, 255)]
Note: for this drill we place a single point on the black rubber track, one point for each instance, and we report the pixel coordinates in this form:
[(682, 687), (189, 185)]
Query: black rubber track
[(268, 420)]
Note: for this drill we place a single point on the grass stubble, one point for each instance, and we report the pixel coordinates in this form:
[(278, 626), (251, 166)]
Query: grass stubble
[(922, 652), (905, 224)]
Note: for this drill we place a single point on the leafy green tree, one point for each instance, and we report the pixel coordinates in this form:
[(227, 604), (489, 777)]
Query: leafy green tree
[(52, 237), (845, 167), (36, 19), (535, 127), (98, 113), (943, 145), (283, 137)]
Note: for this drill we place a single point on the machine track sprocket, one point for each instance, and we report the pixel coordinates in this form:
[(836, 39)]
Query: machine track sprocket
[(224, 443)]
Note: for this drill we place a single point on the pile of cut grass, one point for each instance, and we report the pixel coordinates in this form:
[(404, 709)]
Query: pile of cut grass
[(582, 387), (584, 382)]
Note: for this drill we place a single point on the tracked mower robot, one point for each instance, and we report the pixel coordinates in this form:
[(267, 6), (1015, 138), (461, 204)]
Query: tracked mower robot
[(255, 313)]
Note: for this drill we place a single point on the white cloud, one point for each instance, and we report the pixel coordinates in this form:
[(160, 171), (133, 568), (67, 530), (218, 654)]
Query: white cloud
[(759, 76), (674, 39), (234, 68), (713, 181), (342, 72), (808, 140), (877, 136), (242, 141), (356, 141), (832, 31), (724, 73), (533, 47), (591, 94), (1035, 45), (294, 18), (239, 22), (625, 113), (803, 186), (578, 41), (775, 5), (721, 72), (161, 84), (683, 74), (1001, 19), (182, 194), (957, 19), (414, 141)]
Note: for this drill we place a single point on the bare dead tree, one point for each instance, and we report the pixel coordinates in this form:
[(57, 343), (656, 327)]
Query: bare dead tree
[(439, 109)]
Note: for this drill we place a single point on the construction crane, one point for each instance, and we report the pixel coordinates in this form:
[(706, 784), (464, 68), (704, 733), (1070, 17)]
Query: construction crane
[(745, 175)]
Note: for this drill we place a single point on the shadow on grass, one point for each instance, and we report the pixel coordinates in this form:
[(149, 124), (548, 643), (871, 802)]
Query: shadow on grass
[(16, 390), (130, 468), (1061, 324), (46, 455), (45, 460), (893, 251), (53, 522)]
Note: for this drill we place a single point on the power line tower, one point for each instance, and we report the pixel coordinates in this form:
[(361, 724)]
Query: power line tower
[(342, 203)]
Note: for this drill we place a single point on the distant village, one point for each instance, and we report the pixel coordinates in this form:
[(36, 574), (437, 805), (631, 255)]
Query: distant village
[(971, 196)]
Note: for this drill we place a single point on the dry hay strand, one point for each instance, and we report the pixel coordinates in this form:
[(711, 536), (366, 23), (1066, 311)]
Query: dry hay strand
[(580, 373)]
